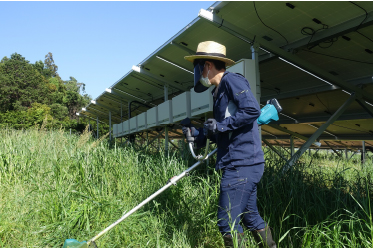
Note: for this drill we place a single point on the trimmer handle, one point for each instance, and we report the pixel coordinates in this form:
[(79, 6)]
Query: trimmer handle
[(188, 136), (186, 123)]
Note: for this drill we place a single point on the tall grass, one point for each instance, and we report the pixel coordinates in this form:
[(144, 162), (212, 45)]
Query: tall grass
[(54, 186)]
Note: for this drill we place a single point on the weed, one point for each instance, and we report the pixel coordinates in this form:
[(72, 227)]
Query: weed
[(56, 186)]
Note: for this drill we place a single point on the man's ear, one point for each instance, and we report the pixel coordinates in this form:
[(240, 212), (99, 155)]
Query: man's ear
[(209, 65)]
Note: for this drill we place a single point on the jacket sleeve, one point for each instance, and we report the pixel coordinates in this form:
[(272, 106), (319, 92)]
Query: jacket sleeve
[(248, 109)]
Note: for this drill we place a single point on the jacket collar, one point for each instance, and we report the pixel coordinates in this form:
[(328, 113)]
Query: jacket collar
[(217, 88)]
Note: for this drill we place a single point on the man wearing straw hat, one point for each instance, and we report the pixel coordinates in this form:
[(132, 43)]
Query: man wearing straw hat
[(235, 131)]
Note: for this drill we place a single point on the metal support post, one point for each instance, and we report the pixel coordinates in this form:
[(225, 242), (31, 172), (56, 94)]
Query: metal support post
[(363, 153), (346, 153), (291, 145), (166, 139), (318, 132), (97, 128), (121, 113), (128, 118), (166, 128), (129, 110), (131, 138), (255, 57), (166, 93), (110, 125)]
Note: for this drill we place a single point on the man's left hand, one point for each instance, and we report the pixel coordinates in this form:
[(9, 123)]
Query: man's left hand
[(210, 127)]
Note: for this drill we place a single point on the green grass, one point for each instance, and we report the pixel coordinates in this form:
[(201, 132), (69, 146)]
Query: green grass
[(54, 186)]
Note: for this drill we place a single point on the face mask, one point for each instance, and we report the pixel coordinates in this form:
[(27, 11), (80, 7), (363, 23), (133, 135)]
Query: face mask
[(200, 83)]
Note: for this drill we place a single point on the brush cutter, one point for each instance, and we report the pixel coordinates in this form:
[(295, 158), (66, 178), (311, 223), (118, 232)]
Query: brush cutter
[(268, 113), (73, 243)]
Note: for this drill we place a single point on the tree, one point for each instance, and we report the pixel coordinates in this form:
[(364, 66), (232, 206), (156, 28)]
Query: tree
[(74, 85), (30, 92), (39, 66), (4, 59), (59, 111), (73, 100), (20, 84), (50, 65)]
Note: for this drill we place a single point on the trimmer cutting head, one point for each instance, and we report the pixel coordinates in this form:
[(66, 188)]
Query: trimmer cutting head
[(73, 243)]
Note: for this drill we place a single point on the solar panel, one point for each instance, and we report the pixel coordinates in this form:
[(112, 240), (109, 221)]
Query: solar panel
[(334, 37)]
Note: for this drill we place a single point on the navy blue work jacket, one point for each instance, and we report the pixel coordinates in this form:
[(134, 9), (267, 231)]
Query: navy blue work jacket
[(238, 137)]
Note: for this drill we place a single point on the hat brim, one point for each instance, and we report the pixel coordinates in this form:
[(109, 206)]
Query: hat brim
[(228, 62)]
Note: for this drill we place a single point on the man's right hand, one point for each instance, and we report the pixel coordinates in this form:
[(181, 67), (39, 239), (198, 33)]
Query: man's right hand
[(190, 133)]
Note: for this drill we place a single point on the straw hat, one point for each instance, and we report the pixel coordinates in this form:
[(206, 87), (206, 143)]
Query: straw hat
[(210, 50)]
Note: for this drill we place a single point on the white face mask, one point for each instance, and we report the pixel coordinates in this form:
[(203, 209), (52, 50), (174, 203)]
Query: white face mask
[(205, 80)]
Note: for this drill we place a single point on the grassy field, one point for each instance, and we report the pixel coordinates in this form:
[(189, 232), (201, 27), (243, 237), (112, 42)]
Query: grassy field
[(54, 186)]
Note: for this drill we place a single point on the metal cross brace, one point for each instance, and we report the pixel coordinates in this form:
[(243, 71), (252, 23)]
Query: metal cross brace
[(274, 149), (318, 132), (339, 155)]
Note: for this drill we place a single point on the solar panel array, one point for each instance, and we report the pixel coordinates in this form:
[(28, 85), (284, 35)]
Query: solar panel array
[(313, 56)]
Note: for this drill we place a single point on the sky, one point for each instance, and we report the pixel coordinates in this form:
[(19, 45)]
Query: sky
[(95, 42)]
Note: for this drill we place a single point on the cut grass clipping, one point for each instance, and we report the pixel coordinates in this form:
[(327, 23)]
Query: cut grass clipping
[(54, 186)]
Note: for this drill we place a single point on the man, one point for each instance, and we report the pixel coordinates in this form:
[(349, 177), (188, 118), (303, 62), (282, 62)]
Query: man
[(235, 131)]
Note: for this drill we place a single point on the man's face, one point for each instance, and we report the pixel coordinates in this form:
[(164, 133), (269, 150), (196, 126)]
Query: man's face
[(207, 70), (199, 70)]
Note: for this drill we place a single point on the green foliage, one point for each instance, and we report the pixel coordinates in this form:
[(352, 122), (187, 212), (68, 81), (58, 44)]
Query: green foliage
[(50, 65), (34, 116), (59, 111), (24, 85), (20, 84), (72, 98)]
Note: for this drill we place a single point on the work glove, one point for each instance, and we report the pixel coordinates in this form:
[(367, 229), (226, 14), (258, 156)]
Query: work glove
[(210, 127), (190, 136)]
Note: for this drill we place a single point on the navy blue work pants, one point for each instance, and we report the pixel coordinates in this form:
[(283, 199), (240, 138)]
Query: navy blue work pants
[(238, 192)]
